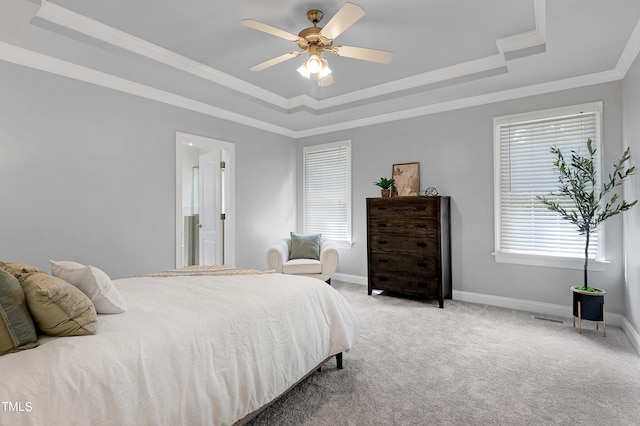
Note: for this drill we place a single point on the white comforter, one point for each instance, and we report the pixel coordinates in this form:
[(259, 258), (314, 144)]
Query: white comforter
[(189, 351)]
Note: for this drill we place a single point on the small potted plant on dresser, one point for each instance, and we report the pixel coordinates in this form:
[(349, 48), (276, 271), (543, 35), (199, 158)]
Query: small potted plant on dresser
[(592, 206), (386, 185)]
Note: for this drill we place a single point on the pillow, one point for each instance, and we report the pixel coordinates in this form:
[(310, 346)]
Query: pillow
[(305, 246), (17, 331), (59, 308), (94, 283), (18, 270)]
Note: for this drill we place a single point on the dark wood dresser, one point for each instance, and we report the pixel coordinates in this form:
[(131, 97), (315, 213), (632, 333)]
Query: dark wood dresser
[(408, 246)]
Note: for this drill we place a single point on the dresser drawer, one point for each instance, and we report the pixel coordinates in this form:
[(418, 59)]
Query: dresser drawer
[(407, 263), (425, 228), (407, 207), (403, 243), (405, 283)]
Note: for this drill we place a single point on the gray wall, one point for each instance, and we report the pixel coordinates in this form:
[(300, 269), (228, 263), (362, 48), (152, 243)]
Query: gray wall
[(455, 151), (88, 174), (631, 99)]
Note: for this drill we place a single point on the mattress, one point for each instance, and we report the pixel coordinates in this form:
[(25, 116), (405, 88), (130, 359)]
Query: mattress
[(190, 350)]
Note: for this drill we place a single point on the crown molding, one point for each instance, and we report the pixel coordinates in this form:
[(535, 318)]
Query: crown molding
[(418, 80), (630, 52), (39, 61), (528, 39), (36, 60), (31, 59), (303, 101), (523, 43), (58, 15), (505, 95)]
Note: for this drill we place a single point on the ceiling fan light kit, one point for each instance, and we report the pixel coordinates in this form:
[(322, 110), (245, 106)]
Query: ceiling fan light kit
[(314, 63), (316, 40)]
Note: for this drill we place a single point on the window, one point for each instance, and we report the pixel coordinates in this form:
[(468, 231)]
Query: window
[(327, 191), (526, 231)]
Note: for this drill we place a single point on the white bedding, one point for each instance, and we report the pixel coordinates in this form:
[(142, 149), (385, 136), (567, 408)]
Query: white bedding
[(189, 351)]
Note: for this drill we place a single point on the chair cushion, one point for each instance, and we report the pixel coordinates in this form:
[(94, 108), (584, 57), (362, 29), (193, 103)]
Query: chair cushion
[(302, 266), (305, 246)]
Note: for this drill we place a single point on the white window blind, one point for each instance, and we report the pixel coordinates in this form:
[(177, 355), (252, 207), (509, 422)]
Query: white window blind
[(524, 162), (327, 190)]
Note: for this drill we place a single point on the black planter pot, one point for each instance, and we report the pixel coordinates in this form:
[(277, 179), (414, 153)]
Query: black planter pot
[(589, 306)]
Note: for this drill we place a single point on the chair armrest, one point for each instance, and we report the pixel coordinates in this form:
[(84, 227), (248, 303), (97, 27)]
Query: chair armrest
[(277, 254), (328, 257)]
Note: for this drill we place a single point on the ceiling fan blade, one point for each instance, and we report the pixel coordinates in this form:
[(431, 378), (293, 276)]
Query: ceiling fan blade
[(343, 19), (325, 81), (251, 23), (274, 61), (381, 56)]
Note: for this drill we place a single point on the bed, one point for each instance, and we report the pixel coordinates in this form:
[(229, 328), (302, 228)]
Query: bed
[(189, 350)]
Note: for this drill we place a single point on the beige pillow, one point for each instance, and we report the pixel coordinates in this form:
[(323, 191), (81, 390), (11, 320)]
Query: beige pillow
[(94, 283), (19, 270), (17, 331), (59, 308)]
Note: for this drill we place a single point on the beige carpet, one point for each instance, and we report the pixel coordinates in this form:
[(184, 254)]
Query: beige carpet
[(466, 364)]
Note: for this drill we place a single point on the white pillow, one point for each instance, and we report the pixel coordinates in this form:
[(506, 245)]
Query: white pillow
[(94, 283)]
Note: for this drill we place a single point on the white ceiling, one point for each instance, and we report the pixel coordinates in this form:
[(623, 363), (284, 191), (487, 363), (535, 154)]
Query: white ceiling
[(447, 54)]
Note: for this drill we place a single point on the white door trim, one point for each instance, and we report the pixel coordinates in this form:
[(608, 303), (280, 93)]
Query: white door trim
[(229, 156)]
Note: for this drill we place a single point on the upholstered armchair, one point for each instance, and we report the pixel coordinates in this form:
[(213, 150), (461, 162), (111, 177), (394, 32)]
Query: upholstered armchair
[(279, 259)]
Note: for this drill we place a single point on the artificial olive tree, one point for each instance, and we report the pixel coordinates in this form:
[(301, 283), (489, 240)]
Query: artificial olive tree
[(593, 205)]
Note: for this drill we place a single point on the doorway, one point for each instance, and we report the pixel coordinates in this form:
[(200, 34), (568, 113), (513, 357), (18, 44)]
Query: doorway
[(205, 201)]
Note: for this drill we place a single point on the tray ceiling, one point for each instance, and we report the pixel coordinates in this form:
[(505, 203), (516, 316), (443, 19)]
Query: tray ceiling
[(195, 54)]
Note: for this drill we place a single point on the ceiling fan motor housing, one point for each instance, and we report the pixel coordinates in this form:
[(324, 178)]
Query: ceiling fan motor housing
[(312, 35)]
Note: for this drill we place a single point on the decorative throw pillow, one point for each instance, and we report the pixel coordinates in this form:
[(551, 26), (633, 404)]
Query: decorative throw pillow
[(19, 270), (94, 283), (305, 246), (17, 331), (59, 308)]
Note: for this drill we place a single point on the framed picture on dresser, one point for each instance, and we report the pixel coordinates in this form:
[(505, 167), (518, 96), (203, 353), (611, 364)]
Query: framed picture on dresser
[(407, 179)]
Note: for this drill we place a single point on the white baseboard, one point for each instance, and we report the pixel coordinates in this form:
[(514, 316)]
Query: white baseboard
[(528, 306), (355, 279), (522, 305), (510, 303), (631, 333)]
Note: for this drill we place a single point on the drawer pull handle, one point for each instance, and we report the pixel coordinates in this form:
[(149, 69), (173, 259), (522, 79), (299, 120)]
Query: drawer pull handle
[(421, 244)]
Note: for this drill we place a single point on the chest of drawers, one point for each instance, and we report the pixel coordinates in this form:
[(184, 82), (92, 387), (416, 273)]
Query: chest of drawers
[(408, 246)]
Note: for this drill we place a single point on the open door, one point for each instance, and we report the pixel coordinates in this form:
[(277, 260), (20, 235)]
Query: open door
[(205, 202), (211, 220)]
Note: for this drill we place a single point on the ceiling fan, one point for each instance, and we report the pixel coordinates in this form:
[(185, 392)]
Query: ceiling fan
[(317, 40)]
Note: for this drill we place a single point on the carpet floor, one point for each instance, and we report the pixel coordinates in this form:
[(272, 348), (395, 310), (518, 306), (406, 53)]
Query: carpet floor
[(466, 364)]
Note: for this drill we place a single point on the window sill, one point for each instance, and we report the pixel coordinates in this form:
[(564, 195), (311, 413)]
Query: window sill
[(550, 261)]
